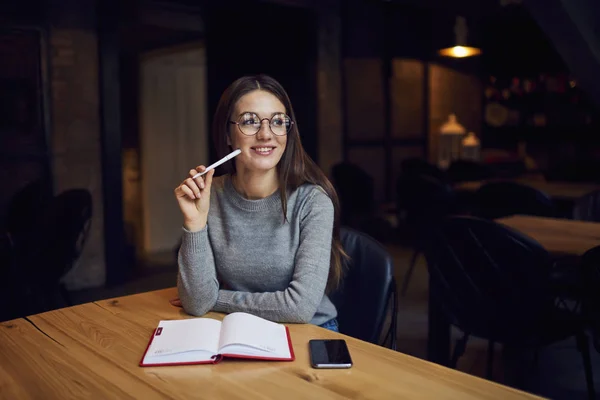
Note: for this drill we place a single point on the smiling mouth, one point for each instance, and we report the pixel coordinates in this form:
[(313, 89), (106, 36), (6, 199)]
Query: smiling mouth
[(265, 151)]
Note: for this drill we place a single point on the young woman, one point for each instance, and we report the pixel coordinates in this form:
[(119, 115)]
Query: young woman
[(264, 238)]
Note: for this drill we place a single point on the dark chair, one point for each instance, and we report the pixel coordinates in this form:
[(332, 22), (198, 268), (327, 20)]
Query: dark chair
[(70, 218), (64, 228), (504, 198), (587, 208), (419, 166), (355, 189), (358, 209), (494, 283), (8, 294), (508, 169), (422, 201), (466, 171), (367, 290), (590, 263), (27, 206)]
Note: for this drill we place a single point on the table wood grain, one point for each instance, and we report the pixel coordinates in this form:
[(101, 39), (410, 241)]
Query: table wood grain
[(557, 190), (93, 350), (558, 236)]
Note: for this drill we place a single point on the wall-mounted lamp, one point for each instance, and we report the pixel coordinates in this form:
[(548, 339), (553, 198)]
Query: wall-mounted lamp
[(461, 50)]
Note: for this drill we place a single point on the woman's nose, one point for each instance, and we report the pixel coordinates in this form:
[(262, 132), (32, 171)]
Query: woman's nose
[(265, 130)]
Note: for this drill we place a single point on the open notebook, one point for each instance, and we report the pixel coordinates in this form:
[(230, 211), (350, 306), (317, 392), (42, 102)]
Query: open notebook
[(207, 341)]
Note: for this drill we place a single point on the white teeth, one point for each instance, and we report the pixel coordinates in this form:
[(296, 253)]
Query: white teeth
[(263, 149)]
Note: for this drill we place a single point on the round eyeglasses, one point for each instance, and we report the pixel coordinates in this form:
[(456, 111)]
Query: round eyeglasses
[(249, 123)]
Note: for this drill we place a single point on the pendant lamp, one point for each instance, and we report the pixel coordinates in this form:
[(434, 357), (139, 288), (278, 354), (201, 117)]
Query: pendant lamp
[(460, 50)]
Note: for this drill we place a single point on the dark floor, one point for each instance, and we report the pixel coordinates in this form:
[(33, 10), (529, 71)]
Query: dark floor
[(558, 375)]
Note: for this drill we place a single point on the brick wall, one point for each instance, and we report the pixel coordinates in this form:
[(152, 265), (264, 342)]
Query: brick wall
[(75, 141)]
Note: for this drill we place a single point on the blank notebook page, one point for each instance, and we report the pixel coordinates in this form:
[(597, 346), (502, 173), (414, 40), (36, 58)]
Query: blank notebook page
[(256, 333), (182, 340)]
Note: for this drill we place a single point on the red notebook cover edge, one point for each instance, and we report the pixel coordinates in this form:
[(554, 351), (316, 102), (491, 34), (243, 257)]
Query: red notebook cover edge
[(218, 357)]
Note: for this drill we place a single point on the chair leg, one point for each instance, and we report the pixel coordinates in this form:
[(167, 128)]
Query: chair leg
[(394, 327), (411, 268), (583, 346), (459, 350), (490, 361), (392, 333)]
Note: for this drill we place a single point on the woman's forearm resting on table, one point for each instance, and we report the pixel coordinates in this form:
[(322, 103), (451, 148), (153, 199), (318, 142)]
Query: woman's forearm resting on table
[(197, 280), (300, 300), (296, 304), (296, 300)]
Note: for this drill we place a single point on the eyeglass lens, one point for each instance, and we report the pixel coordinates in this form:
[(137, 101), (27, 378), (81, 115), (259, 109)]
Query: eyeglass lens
[(250, 123)]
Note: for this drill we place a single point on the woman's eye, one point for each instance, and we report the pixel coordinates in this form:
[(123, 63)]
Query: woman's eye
[(278, 122), (249, 119)]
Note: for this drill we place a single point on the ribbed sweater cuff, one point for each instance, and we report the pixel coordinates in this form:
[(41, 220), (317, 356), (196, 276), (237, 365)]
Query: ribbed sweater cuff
[(224, 299), (195, 242)]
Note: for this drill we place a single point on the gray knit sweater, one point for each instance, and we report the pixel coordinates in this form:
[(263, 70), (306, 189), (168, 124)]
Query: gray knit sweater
[(273, 269)]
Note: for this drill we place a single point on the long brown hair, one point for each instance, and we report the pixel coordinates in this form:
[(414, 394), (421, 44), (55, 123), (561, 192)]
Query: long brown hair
[(295, 167)]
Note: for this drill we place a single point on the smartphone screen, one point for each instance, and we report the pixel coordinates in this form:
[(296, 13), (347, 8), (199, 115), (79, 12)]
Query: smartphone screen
[(330, 353)]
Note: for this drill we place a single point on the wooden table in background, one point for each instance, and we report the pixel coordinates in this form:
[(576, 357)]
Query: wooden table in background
[(556, 190), (558, 236), (93, 350)]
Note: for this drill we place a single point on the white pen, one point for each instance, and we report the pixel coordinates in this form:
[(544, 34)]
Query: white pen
[(221, 161)]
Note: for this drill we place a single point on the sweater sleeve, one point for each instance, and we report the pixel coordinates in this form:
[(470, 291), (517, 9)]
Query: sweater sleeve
[(197, 279), (299, 301)]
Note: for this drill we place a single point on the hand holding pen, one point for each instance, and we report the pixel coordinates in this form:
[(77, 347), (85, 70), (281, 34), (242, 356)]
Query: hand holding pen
[(193, 194)]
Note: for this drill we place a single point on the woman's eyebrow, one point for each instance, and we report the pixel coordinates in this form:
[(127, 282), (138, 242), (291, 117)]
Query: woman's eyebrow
[(254, 112)]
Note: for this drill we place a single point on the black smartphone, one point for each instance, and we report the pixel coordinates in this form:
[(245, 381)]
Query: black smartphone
[(329, 353)]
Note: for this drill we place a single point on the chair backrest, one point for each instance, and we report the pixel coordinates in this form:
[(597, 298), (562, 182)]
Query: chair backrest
[(65, 227), (27, 206), (419, 166), (465, 171), (590, 263), (504, 198), (587, 208), (424, 199), (366, 289), (347, 177), (491, 279)]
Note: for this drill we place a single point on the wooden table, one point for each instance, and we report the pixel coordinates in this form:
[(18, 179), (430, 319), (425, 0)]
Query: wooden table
[(557, 190), (93, 350), (558, 236)]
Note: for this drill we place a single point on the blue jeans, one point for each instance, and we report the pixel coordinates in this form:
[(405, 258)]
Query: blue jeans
[(332, 325)]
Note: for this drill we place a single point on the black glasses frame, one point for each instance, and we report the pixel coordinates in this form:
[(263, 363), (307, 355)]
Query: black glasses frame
[(270, 127)]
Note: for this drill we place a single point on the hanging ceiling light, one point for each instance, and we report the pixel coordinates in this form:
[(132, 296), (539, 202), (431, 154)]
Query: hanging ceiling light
[(461, 50)]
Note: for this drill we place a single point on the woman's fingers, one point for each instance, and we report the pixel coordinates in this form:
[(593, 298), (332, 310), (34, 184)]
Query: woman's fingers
[(185, 189), (188, 188), (193, 187), (176, 302), (199, 180), (209, 178), (189, 182)]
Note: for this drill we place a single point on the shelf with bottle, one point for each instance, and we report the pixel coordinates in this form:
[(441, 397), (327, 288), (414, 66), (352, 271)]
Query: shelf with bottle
[(545, 101)]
